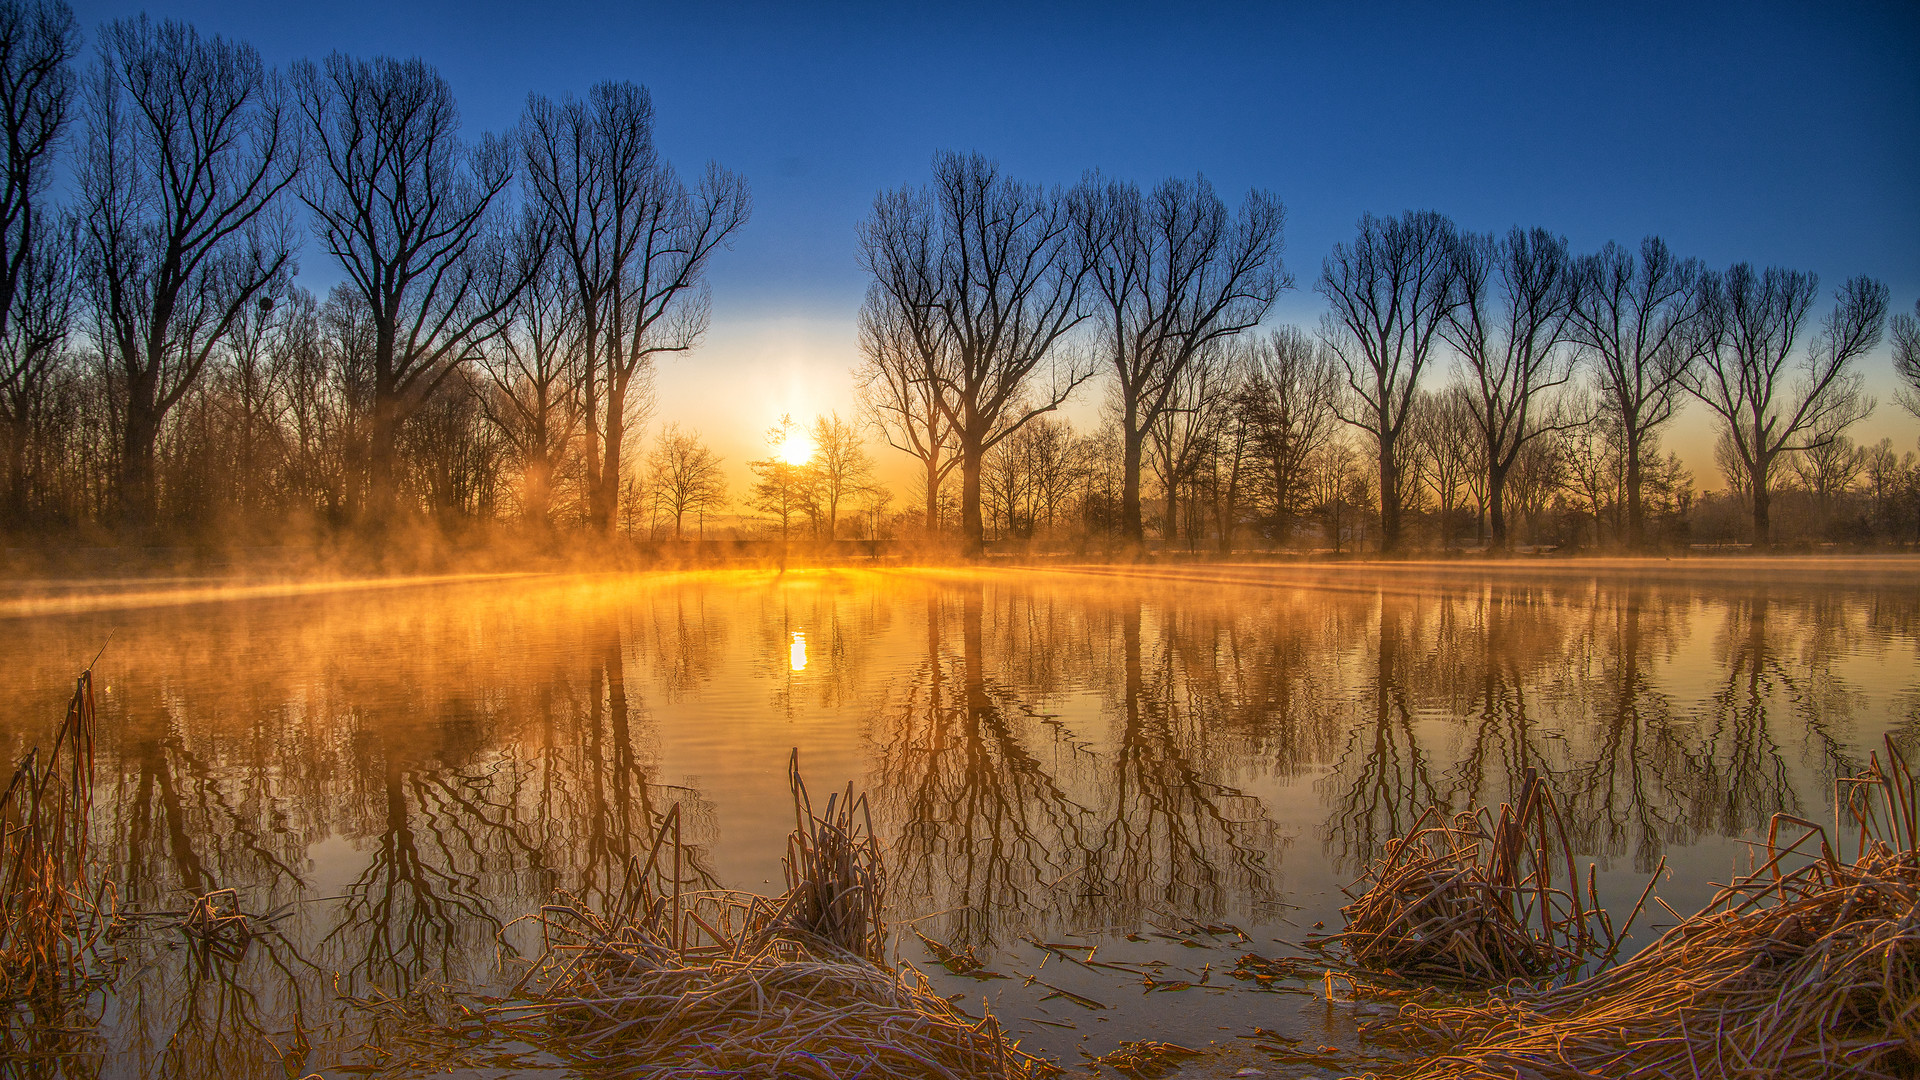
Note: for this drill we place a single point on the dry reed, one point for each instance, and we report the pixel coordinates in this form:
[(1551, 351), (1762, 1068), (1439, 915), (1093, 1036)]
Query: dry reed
[(1798, 973), (44, 894), (1479, 901), (675, 982)]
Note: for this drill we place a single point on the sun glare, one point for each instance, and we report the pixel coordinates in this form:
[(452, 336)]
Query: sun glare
[(797, 449), (797, 652)]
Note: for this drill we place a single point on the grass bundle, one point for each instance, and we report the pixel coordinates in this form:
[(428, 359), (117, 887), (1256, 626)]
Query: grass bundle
[(43, 855), (834, 881), (1801, 973), (1479, 901), (678, 982)]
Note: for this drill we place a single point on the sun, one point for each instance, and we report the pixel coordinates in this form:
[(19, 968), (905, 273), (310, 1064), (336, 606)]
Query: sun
[(797, 449)]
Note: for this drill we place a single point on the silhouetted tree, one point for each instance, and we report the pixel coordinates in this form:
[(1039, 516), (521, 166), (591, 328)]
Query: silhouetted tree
[(1508, 320), (402, 202), (906, 355), (1638, 316), (841, 468), (189, 148), (637, 241), (38, 40), (535, 399), (1171, 275), (1770, 396), (686, 475), (1906, 359), (1004, 293), (1391, 290)]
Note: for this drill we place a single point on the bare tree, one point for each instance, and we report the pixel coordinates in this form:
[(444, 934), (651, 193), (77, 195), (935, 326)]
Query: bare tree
[(189, 148), (535, 399), (842, 469), (1004, 294), (1445, 430), (1292, 381), (1906, 359), (38, 40), (1637, 315), (1770, 396), (402, 202), (687, 476), (637, 241), (783, 488), (1170, 274), (1198, 404), (906, 355), (1829, 469), (1390, 290), (1508, 319)]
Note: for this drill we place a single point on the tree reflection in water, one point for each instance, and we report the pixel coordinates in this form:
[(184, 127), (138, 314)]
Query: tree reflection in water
[(1045, 753)]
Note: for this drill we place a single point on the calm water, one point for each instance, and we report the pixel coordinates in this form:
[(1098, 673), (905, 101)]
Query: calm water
[(1103, 760)]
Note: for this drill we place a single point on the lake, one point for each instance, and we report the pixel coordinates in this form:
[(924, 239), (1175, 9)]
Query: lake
[(1165, 768)]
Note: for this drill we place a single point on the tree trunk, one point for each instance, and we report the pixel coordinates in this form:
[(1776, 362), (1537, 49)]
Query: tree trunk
[(1497, 507), (604, 504), (1636, 515), (933, 495), (1762, 503), (1132, 530), (973, 529), (1389, 498), (139, 497)]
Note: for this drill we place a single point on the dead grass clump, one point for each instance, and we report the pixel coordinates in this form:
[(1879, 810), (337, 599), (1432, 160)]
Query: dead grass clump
[(1812, 972), (43, 856), (834, 884), (677, 982), (1480, 901)]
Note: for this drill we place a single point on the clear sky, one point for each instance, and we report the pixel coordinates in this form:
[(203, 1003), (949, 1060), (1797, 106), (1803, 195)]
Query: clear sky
[(1773, 133)]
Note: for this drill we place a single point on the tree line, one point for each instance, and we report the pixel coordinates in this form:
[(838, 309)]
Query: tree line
[(992, 300), (503, 301)]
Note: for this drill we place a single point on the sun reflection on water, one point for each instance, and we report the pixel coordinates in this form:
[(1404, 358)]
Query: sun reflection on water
[(797, 652)]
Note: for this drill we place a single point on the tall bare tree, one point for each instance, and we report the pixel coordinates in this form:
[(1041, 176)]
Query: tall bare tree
[(1906, 359), (1637, 315), (1292, 381), (1771, 396), (1170, 274), (1509, 320), (637, 241), (189, 148), (904, 356), (535, 395), (406, 207), (842, 468), (38, 40), (1002, 289), (687, 476), (1391, 290)]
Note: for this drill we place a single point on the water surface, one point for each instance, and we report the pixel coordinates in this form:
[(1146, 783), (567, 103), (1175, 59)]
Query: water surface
[(1164, 769)]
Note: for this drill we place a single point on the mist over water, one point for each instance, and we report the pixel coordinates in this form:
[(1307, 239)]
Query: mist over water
[(1052, 757)]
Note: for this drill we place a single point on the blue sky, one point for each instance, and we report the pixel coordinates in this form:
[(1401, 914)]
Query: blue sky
[(1779, 134)]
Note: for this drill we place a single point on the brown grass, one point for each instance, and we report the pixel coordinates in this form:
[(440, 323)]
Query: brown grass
[(1799, 973), (676, 982), (44, 893), (1480, 901)]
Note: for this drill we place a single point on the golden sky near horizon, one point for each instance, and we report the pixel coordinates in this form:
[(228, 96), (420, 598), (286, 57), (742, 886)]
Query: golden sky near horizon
[(752, 368)]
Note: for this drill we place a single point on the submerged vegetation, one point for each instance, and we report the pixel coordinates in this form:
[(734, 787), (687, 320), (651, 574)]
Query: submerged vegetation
[(47, 899)]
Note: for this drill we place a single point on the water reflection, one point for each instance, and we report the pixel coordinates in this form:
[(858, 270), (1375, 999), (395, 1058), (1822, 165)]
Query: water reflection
[(398, 776)]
